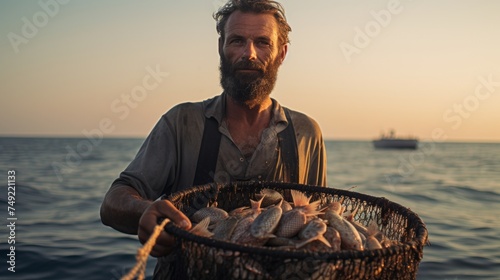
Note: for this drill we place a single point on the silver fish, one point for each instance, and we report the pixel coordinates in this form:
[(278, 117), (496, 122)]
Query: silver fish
[(372, 243), (286, 206), (372, 230), (351, 240), (270, 197), (301, 202), (349, 214), (215, 214), (201, 228), (333, 237), (386, 243), (291, 223), (363, 238), (254, 210), (242, 228), (242, 233), (359, 227), (239, 212), (224, 229), (373, 237), (335, 206), (313, 230), (265, 224)]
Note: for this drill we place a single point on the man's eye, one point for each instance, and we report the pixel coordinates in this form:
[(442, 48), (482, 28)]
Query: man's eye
[(264, 43), (236, 41)]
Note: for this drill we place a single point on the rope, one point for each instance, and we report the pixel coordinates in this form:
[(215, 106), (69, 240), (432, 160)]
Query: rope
[(139, 270)]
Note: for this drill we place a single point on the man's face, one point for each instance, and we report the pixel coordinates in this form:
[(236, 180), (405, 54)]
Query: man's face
[(250, 57)]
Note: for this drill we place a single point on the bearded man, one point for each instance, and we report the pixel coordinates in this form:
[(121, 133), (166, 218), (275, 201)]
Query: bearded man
[(240, 135)]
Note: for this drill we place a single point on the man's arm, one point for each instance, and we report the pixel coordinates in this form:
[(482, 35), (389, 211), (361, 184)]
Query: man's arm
[(125, 210), (122, 209)]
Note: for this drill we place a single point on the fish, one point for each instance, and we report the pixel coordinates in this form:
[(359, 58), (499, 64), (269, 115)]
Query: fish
[(299, 198), (359, 227), (349, 214), (201, 228), (335, 206), (256, 205), (301, 202), (238, 212), (215, 214), (313, 230), (372, 230), (351, 240), (224, 229), (270, 197), (386, 243), (254, 210), (333, 237), (291, 223), (363, 238), (372, 242), (286, 206), (242, 229), (242, 234), (299, 225), (266, 222)]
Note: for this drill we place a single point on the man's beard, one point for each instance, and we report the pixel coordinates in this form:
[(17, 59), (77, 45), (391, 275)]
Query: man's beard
[(248, 88)]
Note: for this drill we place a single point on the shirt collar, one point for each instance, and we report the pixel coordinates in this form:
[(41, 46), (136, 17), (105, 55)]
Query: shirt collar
[(216, 108)]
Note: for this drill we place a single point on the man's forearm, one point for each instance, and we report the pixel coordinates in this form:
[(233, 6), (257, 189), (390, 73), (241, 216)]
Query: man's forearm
[(122, 208)]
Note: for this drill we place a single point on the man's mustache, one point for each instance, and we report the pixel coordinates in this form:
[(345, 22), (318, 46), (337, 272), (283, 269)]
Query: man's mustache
[(248, 65)]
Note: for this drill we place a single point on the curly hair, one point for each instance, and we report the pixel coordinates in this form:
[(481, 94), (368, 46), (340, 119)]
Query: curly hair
[(254, 6)]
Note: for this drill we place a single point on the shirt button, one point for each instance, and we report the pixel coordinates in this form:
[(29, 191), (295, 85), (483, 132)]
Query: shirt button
[(242, 159)]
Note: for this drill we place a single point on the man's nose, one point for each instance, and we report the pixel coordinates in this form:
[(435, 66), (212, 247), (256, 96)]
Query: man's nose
[(249, 53)]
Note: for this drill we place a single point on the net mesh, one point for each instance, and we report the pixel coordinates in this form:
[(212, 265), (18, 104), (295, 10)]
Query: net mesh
[(206, 258)]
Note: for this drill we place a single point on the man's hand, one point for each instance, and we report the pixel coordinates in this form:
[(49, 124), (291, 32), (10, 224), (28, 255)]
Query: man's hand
[(159, 210)]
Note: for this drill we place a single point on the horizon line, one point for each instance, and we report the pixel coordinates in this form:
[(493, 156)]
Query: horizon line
[(326, 139)]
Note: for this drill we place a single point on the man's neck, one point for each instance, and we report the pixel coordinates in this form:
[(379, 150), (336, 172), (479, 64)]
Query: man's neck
[(245, 123), (252, 114)]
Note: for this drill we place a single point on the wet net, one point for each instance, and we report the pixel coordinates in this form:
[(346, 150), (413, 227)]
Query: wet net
[(206, 258)]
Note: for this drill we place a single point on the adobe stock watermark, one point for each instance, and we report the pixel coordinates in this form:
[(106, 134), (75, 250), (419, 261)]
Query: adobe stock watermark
[(463, 110), (40, 19), (454, 116), (364, 36), (121, 107)]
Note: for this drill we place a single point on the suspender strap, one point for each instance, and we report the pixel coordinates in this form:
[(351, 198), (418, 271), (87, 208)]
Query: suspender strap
[(209, 152), (289, 154)]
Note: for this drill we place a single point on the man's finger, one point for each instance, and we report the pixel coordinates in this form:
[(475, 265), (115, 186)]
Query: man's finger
[(176, 216)]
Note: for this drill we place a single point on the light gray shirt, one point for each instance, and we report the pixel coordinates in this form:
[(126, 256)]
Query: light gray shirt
[(166, 162)]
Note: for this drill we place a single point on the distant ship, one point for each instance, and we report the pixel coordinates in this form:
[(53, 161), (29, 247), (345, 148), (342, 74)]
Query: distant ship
[(390, 141)]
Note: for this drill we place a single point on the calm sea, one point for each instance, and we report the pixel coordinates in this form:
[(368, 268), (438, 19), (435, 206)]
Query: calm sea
[(60, 183)]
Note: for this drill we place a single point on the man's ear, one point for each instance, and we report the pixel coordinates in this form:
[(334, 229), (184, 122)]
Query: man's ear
[(221, 47), (283, 52)]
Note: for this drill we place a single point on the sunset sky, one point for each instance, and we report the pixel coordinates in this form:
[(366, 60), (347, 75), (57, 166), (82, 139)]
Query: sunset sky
[(422, 67)]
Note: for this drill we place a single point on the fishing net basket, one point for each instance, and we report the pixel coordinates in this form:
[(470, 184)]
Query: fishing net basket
[(198, 257)]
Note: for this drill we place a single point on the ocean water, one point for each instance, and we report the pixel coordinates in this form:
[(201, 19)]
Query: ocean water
[(60, 183)]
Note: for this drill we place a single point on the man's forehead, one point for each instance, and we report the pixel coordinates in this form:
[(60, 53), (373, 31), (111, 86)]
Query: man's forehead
[(251, 24)]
